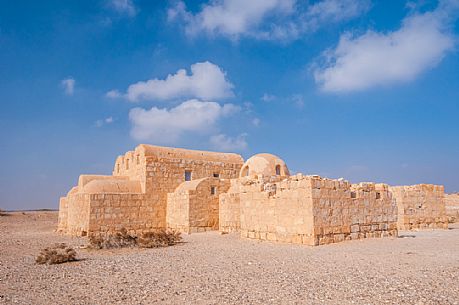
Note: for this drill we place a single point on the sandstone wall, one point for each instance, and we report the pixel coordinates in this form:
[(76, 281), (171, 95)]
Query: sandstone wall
[(452, 207), (420, 206), (194, 207), (78, 214), (111, 212), (309, 210), (343, 211), (63, 214)]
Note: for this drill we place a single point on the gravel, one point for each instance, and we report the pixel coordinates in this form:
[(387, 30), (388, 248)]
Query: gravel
[(209, 268)]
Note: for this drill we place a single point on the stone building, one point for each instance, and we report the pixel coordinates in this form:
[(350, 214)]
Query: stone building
[(135, 196), (195, 191)]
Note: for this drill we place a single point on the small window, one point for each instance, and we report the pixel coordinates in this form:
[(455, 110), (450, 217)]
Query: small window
[(353, 195), (245, 171), (378, 195), (187, 175), (127, 164), (138, 159), (213, 190), (278, 170), (216, 175), (118, 168)]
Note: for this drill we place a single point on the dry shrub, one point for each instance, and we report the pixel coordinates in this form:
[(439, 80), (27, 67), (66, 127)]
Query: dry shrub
[(58, 254), (122, 239), (3, 213), (162, 238)]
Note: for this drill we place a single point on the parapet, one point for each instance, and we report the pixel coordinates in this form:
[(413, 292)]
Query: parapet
[(181, 153)]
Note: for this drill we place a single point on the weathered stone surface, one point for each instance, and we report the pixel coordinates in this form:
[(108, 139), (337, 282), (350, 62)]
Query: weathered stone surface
[(195, 191), (420, 206)]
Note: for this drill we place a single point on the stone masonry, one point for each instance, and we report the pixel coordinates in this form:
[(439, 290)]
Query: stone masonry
[(452, 207), (191, 191), (420, 206)]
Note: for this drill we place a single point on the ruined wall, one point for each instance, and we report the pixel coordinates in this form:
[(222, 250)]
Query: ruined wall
[(420, 206), (344, 212), (452, 207), (229, 214), (193, 207), (308, 210), (277, 211)]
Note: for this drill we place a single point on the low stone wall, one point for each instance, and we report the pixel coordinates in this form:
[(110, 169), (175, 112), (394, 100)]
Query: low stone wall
[(345, 212), (420, 206), (452, 207), (308, 210)]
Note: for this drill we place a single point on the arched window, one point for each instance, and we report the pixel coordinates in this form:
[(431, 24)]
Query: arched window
[(278, 172), (245, 171)]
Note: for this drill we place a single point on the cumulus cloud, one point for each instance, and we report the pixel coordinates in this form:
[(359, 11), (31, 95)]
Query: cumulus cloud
[(264, 19), (375, 59), (166, 126), (124, 7), (69, 85), (222, 142), (206, 81)]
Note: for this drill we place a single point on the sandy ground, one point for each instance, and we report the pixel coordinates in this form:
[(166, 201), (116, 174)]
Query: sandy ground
[(208, 268)]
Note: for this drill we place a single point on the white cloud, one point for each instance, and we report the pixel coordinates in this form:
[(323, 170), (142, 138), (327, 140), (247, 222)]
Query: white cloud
[(206, 81), (268, 97), (124, 7), (265, 19), (166, 126), (113, 94), (256, 122), (69, 85), (375, 59), (223, 142), (100, 123), (327, 11)]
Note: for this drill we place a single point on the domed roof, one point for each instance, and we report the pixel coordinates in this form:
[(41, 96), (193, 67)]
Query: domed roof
[(264, 165), (112, 186)]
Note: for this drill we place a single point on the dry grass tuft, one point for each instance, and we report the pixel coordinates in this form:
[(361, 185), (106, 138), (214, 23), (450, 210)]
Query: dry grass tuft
[(162, 238), (123, 239), (58, 254)]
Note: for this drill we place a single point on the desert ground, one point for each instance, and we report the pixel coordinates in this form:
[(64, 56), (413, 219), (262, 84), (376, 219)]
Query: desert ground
[(208, 268)]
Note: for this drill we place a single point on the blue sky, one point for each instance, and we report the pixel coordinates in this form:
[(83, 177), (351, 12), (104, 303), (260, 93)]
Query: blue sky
[(366, 90)]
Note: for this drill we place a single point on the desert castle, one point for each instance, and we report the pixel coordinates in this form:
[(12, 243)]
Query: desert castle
[(156, 187)]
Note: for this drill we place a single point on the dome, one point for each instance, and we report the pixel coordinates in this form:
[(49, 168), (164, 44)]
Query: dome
[(264, 165)]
